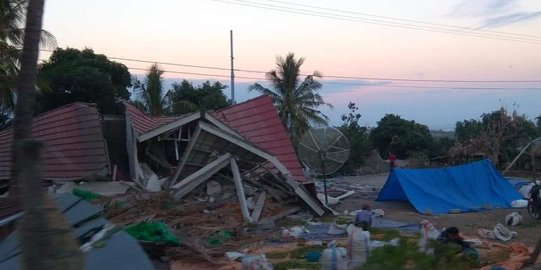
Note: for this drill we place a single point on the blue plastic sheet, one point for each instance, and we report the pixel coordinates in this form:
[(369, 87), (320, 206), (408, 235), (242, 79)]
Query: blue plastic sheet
[(465, 188)]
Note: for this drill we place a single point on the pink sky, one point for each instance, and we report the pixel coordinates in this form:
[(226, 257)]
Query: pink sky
[(197, 32)]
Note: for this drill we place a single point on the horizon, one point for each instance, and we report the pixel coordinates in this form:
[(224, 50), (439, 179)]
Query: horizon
[(383, 42)]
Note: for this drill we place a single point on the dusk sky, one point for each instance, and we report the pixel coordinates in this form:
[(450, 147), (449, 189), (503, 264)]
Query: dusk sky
[(375, 41)]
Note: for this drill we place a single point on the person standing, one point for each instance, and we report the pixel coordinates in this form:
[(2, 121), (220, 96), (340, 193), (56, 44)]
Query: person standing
[(392, 161)]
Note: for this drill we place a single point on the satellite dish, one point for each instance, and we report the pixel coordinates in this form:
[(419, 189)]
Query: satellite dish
[(324, 151)]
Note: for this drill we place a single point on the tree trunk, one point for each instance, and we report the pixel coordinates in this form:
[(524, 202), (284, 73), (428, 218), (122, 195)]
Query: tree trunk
[(46, 238)]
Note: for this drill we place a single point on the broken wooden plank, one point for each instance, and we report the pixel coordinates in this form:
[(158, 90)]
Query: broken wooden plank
[(197, 178), (259, 206), (281, 215), (185, 156), (303, 194), (240, 190)]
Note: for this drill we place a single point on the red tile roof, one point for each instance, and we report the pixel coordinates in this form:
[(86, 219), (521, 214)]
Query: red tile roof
[(143, 123), (75, 146), (258, 122)]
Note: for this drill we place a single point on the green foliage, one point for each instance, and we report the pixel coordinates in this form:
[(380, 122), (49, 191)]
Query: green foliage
[(384, 234), (407, 256), (297, 265), (440, 146), (400, 136), (357, 136), (188, 98), (498, 134), (72, 75), (150, 94), (297, 101)]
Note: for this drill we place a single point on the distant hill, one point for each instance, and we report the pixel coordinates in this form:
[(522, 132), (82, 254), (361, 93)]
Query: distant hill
[(442, 134)]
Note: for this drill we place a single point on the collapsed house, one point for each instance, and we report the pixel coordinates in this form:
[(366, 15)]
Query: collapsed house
[(244, 145), (241, 152), (75, 146)]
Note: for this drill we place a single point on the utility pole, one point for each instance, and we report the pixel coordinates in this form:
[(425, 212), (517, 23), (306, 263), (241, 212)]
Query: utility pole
[(232, 69)]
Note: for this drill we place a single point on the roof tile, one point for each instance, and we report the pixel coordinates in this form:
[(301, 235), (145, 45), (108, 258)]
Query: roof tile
[(74, 141), (257, 121)]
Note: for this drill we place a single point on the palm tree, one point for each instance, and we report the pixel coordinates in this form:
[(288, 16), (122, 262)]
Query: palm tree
[(297, 101), (151, 93), (12, 17), (46, 238)]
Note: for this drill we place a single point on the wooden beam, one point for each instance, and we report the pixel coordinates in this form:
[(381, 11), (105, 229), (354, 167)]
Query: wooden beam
[(165, 128), (281, 215), (185, 156), (302, 193), (259, 207), (197, 178), (240, 190)]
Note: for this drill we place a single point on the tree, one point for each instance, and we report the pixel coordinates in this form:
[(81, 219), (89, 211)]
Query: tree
[(296, 101), (151, 94), (400, 136), (186, 98), (46, 238), (497, 134), (358, 138), (72, 75), (12, 17)]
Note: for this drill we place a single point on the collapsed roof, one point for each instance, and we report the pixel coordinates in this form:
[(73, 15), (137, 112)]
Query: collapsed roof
[(75, 147), (190, 149)]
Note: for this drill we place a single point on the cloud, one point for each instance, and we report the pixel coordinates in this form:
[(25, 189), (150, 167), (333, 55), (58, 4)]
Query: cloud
[(482, 7), (510, 19)]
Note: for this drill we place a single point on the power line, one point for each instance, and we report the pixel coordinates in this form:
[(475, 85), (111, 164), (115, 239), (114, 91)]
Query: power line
[(361, 84), (325, 76), (347, 83), (376, 22), (404, 20)]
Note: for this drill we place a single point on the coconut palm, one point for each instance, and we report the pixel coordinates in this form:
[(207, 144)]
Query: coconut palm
[(47, 241), (151, 93), (297, 101), (12, 17)]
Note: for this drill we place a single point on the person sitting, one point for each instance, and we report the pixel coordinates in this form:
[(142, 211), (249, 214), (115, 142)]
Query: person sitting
[(364, 218), (452, 236)]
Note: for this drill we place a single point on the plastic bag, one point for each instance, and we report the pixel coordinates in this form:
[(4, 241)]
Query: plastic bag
[(333, 258), (153, 232), (258, 262), (513, 219), (358, 247), (428, 231)]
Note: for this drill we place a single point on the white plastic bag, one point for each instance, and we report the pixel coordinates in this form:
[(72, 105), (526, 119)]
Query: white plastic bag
[(525, 190), (428, 231), (256, 263), (358, 246), (333, 258), (513, 219), (519, 203)]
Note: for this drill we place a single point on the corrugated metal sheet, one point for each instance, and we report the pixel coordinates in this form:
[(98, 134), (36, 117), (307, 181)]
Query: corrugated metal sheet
[(121, 251), (75, 146), (258, 122)]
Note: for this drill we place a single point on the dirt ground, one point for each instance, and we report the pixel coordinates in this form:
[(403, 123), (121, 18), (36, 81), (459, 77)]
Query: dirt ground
[(529, 231)]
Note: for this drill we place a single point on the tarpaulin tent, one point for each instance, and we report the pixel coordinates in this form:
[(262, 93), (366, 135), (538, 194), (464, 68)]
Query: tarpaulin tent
[(470, 187)]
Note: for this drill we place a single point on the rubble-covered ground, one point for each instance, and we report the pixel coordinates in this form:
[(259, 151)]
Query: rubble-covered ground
[(368, 186)]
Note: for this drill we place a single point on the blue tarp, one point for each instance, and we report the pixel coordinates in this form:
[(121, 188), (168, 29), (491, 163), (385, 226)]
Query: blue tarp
[(466, 188)]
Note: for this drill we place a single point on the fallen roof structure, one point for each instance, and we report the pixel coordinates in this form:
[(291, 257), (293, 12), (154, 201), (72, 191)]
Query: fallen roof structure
[(470, 187), (247, 137), (120, 251), (75, 147)]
